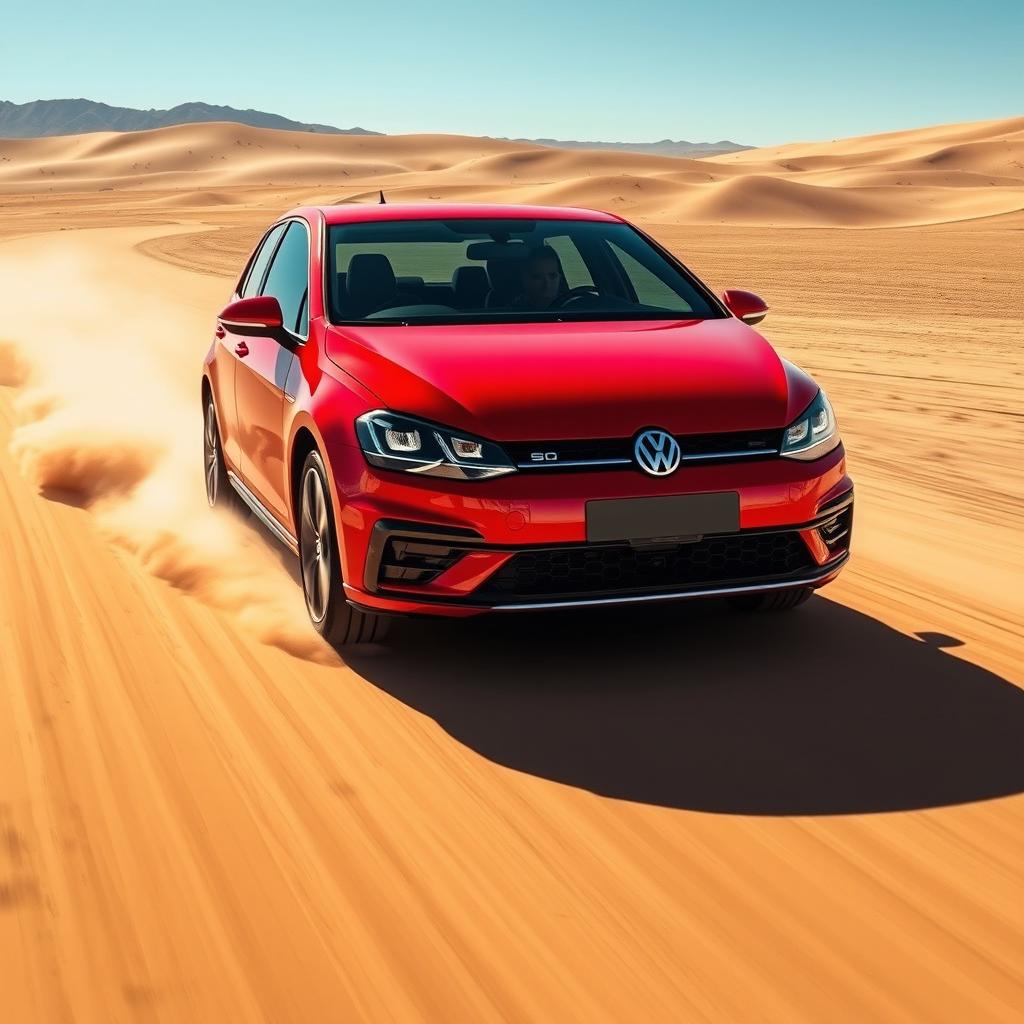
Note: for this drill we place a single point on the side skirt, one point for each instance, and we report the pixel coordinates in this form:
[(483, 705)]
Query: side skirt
[(263, 514)]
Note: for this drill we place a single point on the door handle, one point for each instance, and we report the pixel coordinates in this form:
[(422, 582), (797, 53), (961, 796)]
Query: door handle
[(241, 349), (220, 332)]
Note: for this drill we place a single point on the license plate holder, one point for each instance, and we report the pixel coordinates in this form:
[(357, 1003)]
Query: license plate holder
[(664, 517)]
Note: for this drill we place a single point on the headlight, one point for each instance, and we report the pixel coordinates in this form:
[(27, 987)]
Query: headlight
[(394, 441), (813, 434)]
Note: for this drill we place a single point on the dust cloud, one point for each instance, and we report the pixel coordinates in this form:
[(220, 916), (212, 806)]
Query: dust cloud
[(108, 417)]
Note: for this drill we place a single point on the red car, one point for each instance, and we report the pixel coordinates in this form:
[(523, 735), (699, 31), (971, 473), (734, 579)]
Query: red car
[(452, 409)]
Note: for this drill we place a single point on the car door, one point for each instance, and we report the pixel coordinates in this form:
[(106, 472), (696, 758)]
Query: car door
[(263, 370), (231, 347)]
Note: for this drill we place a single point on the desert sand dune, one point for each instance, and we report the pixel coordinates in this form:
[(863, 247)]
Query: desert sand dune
[(205, 814), (917, 143), (932, 175), (198, 197), (764, 199)]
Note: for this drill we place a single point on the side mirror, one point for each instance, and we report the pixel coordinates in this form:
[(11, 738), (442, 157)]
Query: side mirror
[(257, 315), (750, 308)]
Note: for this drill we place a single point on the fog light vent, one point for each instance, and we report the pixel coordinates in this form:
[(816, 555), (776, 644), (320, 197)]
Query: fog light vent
[(835, 532), (414, 561)]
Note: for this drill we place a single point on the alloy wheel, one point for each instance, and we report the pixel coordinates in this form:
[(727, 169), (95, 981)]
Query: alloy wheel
[(211, 455), (315, 546)]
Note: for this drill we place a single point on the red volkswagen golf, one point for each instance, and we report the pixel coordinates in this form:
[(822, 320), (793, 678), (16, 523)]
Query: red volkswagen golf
[(454, 409)]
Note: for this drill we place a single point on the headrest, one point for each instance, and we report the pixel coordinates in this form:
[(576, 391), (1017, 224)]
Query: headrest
[(504, 275), (470, 283), (369, 273)]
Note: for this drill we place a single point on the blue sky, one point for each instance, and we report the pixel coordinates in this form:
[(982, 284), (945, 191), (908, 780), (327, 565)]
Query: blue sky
[(757, 73)]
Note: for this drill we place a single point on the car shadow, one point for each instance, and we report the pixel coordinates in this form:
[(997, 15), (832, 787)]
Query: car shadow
[(822, 711)]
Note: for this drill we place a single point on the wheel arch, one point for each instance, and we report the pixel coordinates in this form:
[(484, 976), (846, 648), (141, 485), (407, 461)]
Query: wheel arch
[(303, 442), (305, 438)]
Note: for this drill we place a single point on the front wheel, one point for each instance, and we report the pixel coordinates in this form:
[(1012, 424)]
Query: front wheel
[(332, 616), (771, 600)]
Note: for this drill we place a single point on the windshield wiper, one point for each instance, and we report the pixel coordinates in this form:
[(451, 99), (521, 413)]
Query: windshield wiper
[(619, 316)]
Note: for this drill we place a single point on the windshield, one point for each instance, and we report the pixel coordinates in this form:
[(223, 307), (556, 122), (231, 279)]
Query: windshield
[(504, 271)]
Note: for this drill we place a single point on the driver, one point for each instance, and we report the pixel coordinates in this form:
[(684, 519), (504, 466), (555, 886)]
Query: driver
[(542, 278)]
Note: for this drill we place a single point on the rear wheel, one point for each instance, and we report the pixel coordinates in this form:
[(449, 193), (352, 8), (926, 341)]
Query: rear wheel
[(771, 600), (219, 492), (332, 616)]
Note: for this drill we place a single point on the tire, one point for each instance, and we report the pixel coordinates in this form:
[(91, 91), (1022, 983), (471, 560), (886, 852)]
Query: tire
[(219, 492), (771, 600), (332, 616)]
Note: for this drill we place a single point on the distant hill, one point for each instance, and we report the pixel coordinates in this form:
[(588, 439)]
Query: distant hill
[(666, 147), (41, 118), (74, 117)]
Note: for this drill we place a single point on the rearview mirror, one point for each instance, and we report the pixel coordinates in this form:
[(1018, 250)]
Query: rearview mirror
[(257, 315), (513, 250), (750, 308)]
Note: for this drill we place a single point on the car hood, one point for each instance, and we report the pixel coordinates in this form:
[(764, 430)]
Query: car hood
[(514, 382)]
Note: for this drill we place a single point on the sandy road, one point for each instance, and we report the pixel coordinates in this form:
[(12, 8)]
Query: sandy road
[(689, 818)]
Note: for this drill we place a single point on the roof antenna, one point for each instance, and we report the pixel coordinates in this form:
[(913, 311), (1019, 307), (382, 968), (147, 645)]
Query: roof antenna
[(383, 201)]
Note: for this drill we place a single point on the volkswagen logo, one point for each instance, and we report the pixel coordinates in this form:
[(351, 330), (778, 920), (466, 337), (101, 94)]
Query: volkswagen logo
[(657, 453)]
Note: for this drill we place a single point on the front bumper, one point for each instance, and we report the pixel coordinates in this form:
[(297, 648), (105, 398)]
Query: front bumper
[(519, 543)]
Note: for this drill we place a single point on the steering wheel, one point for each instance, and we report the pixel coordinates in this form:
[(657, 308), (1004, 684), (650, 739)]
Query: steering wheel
[(574, 293)]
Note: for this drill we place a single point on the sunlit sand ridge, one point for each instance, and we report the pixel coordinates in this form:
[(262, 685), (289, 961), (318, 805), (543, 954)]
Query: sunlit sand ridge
[(925, 176)]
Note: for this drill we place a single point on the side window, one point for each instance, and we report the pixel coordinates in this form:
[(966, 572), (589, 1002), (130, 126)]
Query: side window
[(650, 289), (259, 264), (288, 280), (575, 270)]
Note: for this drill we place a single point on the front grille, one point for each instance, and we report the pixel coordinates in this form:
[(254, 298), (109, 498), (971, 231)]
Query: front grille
[(597, 453), (746, 444), (538, 454), (414, 561), (588, 570)]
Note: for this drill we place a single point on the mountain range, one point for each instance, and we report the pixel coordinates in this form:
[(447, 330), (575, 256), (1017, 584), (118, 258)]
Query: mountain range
[(77, 116), (41, 118), (666, 147)]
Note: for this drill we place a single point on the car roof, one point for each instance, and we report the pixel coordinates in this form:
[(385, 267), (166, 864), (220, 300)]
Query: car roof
[(371, 211)]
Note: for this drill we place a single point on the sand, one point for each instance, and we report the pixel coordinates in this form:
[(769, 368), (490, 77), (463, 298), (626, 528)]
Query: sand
[(926, 176), (206, 815)]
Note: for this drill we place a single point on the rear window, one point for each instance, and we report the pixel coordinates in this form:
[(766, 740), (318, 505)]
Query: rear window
[(477, 270)]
